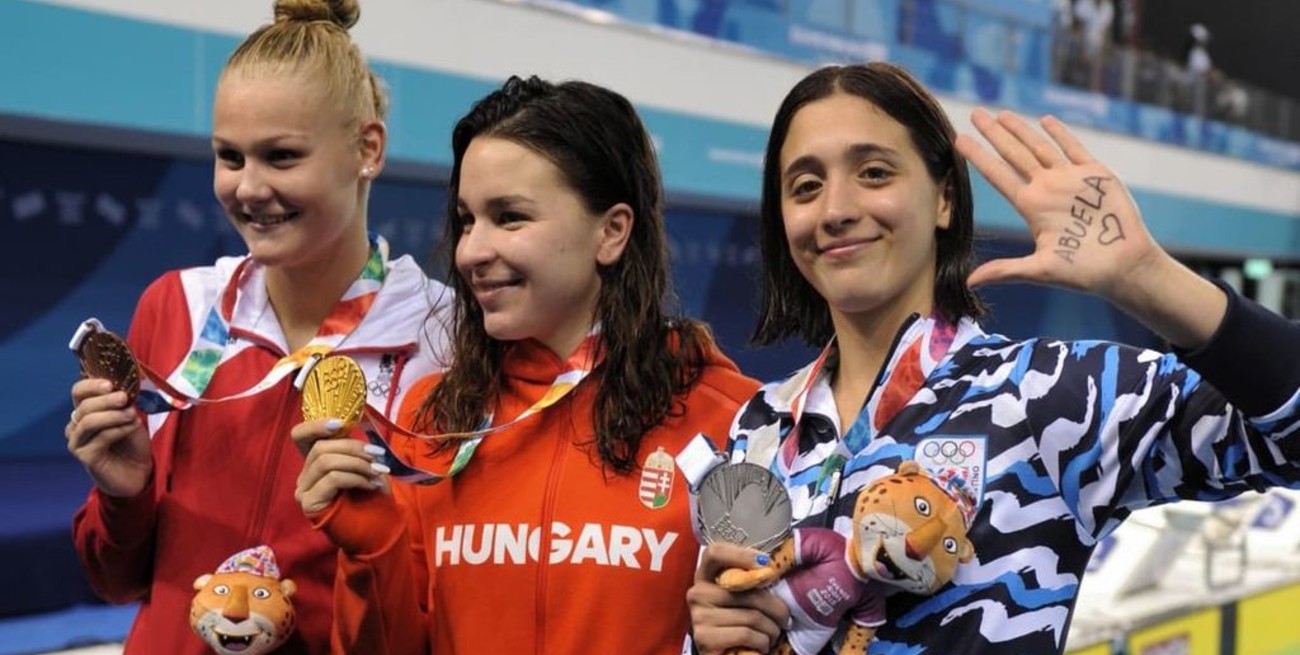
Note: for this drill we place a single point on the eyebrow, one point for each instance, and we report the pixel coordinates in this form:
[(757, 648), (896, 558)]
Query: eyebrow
[(218, 142), (500, 203), (855, 152)]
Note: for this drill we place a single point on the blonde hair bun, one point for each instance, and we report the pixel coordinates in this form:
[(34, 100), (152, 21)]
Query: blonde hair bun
[(343, 13)]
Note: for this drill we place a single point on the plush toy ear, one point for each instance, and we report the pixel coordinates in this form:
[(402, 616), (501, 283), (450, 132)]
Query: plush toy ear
[(202, 581), (288, 587), (965, 551), (909, 466)]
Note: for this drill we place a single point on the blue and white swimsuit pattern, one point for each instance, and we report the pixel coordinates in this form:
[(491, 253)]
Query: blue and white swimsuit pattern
[(1064, 440)]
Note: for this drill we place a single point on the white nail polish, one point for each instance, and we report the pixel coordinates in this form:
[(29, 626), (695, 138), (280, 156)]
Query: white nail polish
[(380, 468), (372, 449)]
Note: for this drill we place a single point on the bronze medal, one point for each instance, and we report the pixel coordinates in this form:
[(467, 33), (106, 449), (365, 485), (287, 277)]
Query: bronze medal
[(335, 388), (105, 355)]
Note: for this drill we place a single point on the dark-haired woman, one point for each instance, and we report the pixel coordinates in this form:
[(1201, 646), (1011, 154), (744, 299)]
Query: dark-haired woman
[(567, 529), (866, 230)]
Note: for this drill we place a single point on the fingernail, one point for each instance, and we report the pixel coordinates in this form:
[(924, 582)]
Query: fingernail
[(372, 449), (380, 468), (762, 559), (377, 483), (333, 424)]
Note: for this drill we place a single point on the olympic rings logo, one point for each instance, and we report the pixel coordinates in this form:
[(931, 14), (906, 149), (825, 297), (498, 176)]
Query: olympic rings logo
[(949, 452)]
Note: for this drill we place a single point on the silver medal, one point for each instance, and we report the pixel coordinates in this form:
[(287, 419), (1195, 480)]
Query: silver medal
[(743, 504)]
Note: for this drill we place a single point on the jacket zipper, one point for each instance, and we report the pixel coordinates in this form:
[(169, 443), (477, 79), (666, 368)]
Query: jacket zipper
[(544, 554), (838, 474), (269, 476)]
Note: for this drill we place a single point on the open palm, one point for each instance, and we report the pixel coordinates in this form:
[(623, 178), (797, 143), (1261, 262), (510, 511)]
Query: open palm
[(1088, 233)]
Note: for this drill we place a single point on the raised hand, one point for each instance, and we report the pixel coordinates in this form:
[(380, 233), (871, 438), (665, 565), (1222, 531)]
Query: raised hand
[(109, 438), (1088, 233), (334, 463)]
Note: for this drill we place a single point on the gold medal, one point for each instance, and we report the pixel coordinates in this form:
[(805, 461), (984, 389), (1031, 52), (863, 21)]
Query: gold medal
[(335, 388), (105, 355)]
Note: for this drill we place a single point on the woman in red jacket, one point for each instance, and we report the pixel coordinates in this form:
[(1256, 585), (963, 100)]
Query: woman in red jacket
[(568, 530), (298, 136)]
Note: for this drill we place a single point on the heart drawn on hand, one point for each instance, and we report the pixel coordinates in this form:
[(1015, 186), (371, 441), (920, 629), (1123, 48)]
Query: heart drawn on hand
[(1111, 230)]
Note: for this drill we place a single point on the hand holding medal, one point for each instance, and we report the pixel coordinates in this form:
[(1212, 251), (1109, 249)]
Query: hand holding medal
[(335, 388), (738, 508), (104, 431), (105, 355)]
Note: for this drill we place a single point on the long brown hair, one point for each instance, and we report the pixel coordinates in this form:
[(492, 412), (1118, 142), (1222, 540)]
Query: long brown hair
[(594, 136)]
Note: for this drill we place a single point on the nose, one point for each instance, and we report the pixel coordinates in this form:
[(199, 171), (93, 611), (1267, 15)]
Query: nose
[(923, 538), (839, 207), (253, 187), (475, 247), (236, 607)]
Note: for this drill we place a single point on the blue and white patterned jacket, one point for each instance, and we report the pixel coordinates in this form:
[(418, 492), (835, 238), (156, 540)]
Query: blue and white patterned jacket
[(1063, 440)]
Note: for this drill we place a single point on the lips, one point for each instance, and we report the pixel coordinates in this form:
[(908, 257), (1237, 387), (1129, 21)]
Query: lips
[(845, 246), (487, 291), (267, 220)]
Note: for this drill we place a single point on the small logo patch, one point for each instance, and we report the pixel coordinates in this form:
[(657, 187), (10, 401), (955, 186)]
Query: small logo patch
[(963, 457), (656, 479)]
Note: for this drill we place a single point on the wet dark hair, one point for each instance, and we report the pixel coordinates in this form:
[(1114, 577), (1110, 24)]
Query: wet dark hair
[(594, 136), (790, 306)]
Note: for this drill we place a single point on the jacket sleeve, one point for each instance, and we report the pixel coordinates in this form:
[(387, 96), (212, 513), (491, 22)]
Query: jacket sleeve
[(114, 537), (381, 590), (1121, 429)]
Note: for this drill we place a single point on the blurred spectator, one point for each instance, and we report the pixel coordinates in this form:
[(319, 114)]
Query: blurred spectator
[(1065, 40), (1197, 67), (1232, 102), (1130, 22), (1095, 18)]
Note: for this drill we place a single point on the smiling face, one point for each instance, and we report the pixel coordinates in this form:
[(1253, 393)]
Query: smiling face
[(529, 248), (860, 209), (907, 532), (239, 613), (290, 167)]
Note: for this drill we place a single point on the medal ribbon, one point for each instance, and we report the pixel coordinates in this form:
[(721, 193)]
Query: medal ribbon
[(922, 346), (185, 386), (585, 358)]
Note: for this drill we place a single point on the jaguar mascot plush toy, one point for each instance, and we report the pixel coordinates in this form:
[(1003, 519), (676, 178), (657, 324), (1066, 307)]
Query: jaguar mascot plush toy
[(244, 608), (909, 534)]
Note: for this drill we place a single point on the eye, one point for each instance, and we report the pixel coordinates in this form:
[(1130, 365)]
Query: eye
[(950, 545), (875, 174), (465, 221), (511, 218), (221, 590), (230, 158), (804, 187), (261, 593), (922, 506), (283, 156)]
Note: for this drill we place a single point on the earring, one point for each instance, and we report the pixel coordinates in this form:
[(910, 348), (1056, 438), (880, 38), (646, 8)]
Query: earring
[(367, 172)]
